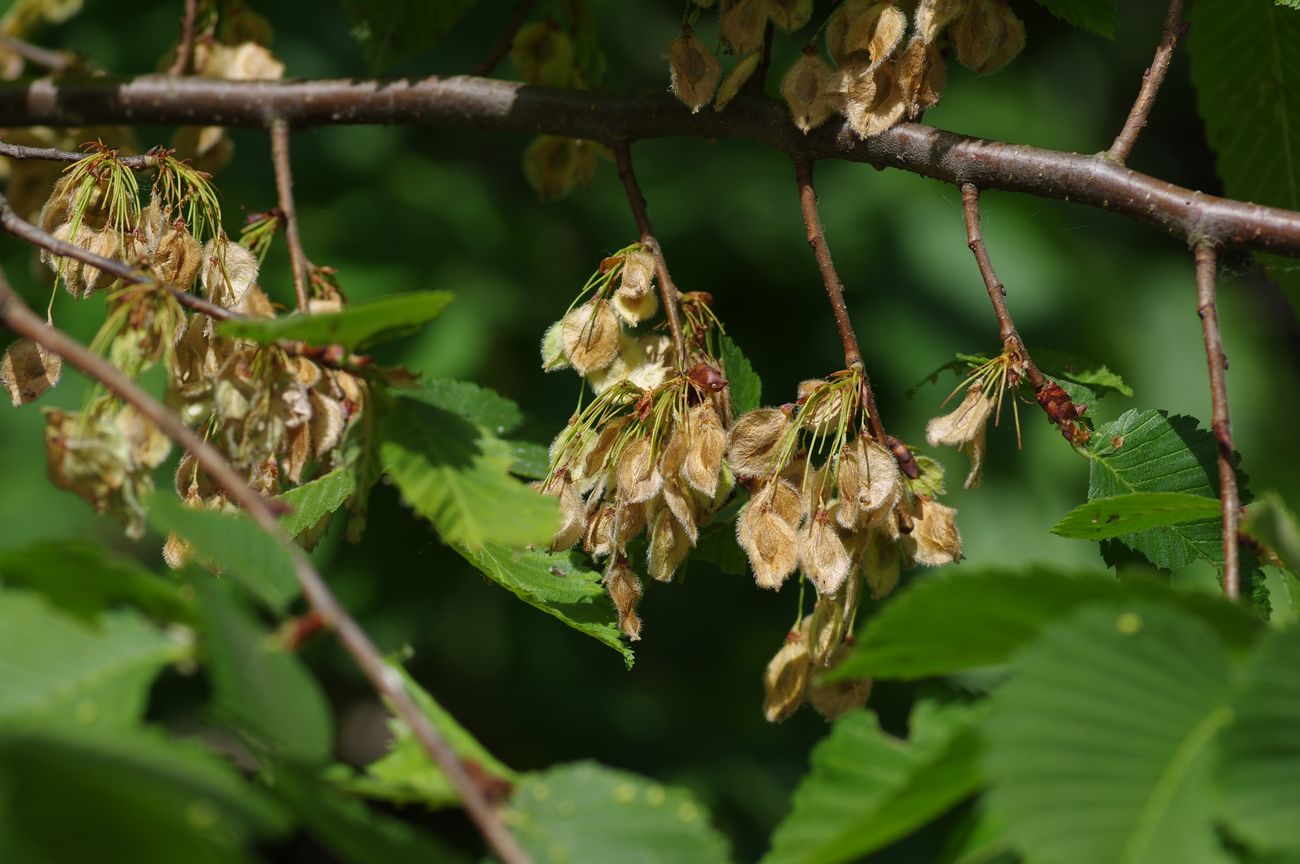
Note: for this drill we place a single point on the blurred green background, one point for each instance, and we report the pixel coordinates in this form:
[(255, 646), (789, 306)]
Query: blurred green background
[(404, 209)]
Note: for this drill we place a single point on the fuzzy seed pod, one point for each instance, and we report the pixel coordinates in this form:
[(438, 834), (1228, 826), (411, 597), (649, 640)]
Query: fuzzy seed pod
[(822, 555), (765, 529), (834, 699), (921, 76), (682, 505), (228, 273), (625, 591), (978, 34), (610, 528), (734, 80), (637, 477), (807, 89), (881, 562), (327, 422), (553, 166), (634, 308), (145, 442), (591, 336), (247, 61), (848, 13), (1012, 43), (674, 453), (965, 427), (177, 551), (934, 15), (789, 15), (572, 512), (743, 24), (934, 540), (178, 258), (543, 54), (868, 118), (28, 370), (707, 443), (598, 452), (785, 681), (553, 348), (668, 546), (755, 441), (638, 275), (881, 484), (105, 243), (694, 70)]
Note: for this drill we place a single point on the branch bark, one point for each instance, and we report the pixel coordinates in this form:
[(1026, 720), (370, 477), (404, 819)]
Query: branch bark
[(1229, 496), (1152, 78), (284, 188), (487, 104), (23, 321)]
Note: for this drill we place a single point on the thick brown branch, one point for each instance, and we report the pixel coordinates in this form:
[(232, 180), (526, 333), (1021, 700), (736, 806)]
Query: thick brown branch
[(19, 318), (1152, 78), (488, 104), (1229, 497), (812, 220), (1058, 406), (185, 48), (667, 290), (284, 188), (502, 46)]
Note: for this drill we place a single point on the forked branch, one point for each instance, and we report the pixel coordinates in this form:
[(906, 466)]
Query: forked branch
[(1152, 78), (1229, 496), (23, 321)]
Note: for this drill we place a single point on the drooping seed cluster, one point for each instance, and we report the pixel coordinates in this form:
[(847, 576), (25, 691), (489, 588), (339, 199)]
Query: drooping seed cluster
[(875, 76), (646, 455)]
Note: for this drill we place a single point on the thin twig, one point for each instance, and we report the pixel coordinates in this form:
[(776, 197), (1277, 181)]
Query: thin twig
[(502, 46), (1090, 180), (1058, 406), (185, 50), (53, 154), (1229, 497), (812, 221), (284, 187), (667, 290), (26, 323), (55, 61), (1152, 78)]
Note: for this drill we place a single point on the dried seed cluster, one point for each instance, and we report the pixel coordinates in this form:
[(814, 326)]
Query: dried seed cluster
[(646, 455)]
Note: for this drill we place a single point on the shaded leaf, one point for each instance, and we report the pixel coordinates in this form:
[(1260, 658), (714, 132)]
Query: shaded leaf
[(316, 500), (1100, 746), (355, 327), (586, 812), (744, 384), (57, 668), (391, 31), (558, 583), (532, 461), (717, 542), (1094, 378), (867, 788), (1259, 767), (1095, 15), (258, 687), (951, 622), (1270, 522), (1137, 511), (238, 548), (478, 405), (79, 794), (457, 475)]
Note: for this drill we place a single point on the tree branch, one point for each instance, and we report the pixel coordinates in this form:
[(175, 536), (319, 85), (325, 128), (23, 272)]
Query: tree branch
[(284, 187), (185, 48), (1152, 78), (19, 318), (52, 154), (502, 46), (489, 104), (667, 290), (1229, 497), (55, 61)]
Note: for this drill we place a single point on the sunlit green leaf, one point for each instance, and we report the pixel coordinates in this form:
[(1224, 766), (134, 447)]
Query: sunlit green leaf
[(868, 788), (586, 812), (478, 405), (1137, 511), (316, 500), (1100, 746), (743, 383), (355, 327)]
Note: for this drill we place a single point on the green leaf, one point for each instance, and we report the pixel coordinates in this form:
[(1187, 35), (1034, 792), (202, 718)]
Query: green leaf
[(717, 542), (1149, 451), (952, 622), (1270, 522), (1094, 378), (317, 500), (58, 668), (391, 31), (457, 475), (83, 580), (259, 688), (1100, 746), (1293, 4), (1259, 768), (585, 812), (744, 384), (478, 405), (406, 774), (94, 794), (867, 788), (1245, 65), (558, 583), (355, 833), (260, 563), (355, 327), (1095, 15), (532, 461), (1137, 511)]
